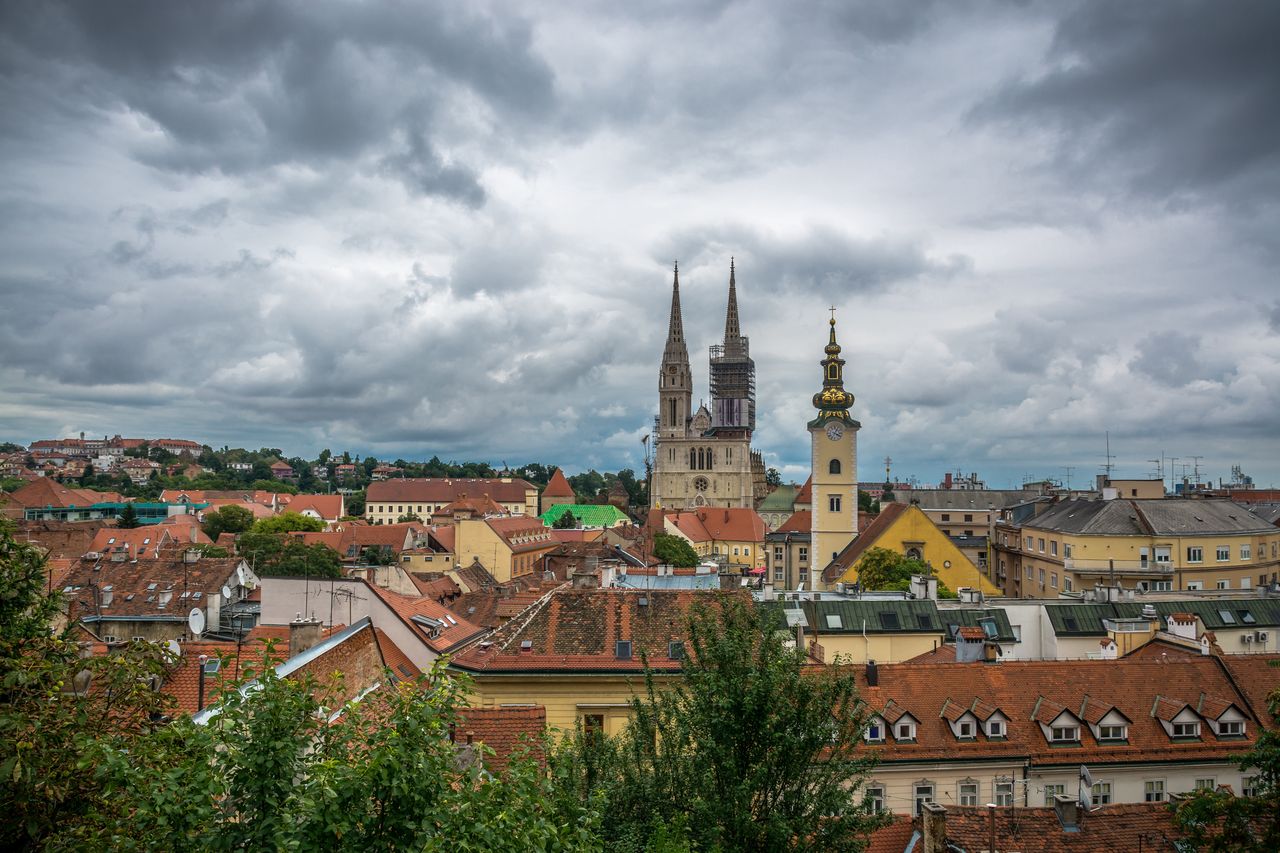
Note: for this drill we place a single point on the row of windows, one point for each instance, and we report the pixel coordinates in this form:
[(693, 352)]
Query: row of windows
[(968, 517), (1195, 553), (969, 792)]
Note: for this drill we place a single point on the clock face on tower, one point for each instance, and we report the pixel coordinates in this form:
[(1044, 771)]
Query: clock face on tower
[(834, 431)]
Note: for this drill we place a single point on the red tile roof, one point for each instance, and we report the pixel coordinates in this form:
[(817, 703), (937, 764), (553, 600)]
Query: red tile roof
[(144, 543), (45, 492), (328, 507), (558, 487), (505, 731), (453, 631), (130, 583), (1025, 691), (437, 490), (478, 506), (523, 533), (60, 538), (720, 524), (577, 630), (805, 495), (801, 521)]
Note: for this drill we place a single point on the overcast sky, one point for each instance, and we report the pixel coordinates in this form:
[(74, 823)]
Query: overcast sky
[(411, 229)]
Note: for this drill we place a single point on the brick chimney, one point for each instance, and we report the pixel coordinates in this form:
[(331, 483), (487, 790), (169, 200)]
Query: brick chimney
[(585, 579), (303, 634), (1068, 811), (933, 826)]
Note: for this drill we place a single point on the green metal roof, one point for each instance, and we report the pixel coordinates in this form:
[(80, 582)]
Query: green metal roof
[(995, 617), (1085, 619), (588, 515), (780, 499), (849, 616)]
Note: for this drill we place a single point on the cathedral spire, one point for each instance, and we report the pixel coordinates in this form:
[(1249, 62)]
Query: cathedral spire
[(675, 352), (731, 330)]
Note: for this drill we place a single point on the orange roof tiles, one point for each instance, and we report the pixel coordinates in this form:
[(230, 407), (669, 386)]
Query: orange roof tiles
[(721, 524), (1131, 826), (1030, 691), (577, 630), (801, 521), (452, 632), (440, 490), (805, 495), (506, 731), (558, 487), (328, 507)]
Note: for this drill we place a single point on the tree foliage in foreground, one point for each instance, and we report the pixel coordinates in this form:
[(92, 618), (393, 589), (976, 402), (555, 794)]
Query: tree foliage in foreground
[(884, 569), (1219, 821), (750, 750)]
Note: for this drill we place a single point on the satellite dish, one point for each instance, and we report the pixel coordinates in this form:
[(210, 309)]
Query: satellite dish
[(1085, 776), (174, 648), (226, 592), (195, 621)]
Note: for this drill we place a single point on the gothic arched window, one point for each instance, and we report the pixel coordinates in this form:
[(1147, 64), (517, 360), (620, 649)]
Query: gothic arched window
[(834, 467), (693, 459)]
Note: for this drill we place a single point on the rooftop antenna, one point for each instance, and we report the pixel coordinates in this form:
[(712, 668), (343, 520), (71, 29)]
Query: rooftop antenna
[(1069, 470), (1196, 460), (1173, 471), (888, 460), (1159, 463), (1109, 466)]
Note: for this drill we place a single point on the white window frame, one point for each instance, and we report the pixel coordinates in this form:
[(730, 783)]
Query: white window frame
[(1100, 793), (1153, 791), (1195, 554), (965, 730), (1113, 733), (968, 797), (995, 728), (1003, 794), (917, 797), (897, 731), (1231, 728), (1053, 789), (1185, 730), (1223, 554), (1064, 734)]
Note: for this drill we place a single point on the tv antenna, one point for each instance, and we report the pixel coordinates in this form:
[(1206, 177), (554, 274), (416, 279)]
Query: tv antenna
[(1196, 473), (1109, 466)]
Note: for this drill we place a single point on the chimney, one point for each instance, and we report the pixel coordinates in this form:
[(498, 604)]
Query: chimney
[(303, 634), (933, 825), (1068, 811), (991, 652), (586, 580), (873, 674)]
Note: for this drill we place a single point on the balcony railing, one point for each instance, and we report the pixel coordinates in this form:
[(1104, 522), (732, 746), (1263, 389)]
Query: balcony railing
[(1075, 564)]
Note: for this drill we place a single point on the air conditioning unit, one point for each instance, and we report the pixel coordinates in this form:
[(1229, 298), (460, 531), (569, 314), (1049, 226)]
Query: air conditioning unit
[(1262, 636), (1247, 639)]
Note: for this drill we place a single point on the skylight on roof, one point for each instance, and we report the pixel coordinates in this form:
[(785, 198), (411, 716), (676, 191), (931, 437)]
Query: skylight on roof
[(1247, 617), (833, 621), (889, 620), (989, 627), (1228, 618), (1070, 623)]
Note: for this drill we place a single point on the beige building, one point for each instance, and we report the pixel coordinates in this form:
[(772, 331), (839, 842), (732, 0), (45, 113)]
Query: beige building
[(1169, 544), (704, 458), (388, 500), (1016, 734), (508, 547)]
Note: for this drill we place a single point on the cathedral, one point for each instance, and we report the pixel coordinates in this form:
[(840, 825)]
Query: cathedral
[(704, 458)]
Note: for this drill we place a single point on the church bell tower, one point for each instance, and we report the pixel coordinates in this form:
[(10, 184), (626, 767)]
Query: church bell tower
[(675, 379), (834, 442)]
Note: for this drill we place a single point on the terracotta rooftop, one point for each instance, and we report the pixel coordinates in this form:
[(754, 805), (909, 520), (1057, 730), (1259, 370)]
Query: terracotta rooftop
[(1025, 691), (805, 495), (739, 524), (505, 730), (441, 490), (328, 507), (558, 487), (166, 587), (45, 492), (434, 624), (591, 630), (60, 538), (801, 521)]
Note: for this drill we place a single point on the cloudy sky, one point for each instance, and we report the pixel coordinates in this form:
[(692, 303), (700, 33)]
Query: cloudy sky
[(411, 229)]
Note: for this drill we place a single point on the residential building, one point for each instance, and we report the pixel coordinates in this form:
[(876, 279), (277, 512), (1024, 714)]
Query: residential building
[(578, 653), (704, 458), (509, 546), (130, 595), (908, 531), (732, 537), (1010, 733), (1170, 544), (282, 470), (326, 508), (388, 500)]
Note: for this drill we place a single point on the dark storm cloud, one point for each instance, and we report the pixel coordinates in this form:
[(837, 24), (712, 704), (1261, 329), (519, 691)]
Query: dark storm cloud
[(1175, 101), (820, 260), (238, 87), (1173, 358)]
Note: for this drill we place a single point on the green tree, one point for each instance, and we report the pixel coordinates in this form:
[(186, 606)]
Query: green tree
[(128, 517), (884, 569), (566, 521), (866, 503), (57, 710), (408, 517), (288, 522), (377, 555), (1219, 822), (748, 751), (674, 551), (227, 519), (773, 478), (355, 503)]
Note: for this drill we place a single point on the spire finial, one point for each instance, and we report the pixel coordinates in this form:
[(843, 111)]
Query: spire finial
[(732, 332), (675, 329)]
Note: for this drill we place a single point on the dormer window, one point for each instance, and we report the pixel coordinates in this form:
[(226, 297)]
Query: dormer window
[(1187, 730), (1231, 728), (995, 728), (1065, 734), (875, 732), (965, 730), (905, 731), (1113, 732)]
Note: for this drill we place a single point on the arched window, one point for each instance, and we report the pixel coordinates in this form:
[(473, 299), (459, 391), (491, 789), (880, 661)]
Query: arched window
[(913, 553), (834, 467), (831, 371), (693, 459)]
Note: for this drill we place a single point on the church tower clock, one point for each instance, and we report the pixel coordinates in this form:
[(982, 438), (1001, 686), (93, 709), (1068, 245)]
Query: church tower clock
[(834, 441)]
